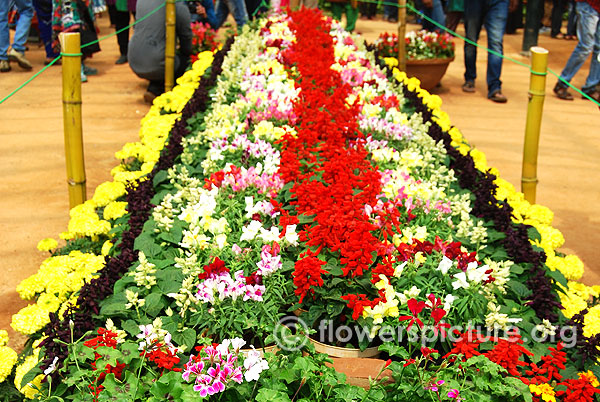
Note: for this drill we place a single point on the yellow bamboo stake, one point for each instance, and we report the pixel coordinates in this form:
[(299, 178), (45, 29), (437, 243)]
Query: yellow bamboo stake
[(71, 72), (401, 34), (537, 86), (170, 45)]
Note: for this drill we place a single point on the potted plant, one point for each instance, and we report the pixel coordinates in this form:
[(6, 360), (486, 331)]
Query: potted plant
[(427, 54)]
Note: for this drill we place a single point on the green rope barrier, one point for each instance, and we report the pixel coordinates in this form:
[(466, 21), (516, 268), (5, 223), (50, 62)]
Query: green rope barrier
[(71, 54), (29, 80)]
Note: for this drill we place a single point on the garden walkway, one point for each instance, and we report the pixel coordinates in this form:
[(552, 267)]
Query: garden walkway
[(34, 201)]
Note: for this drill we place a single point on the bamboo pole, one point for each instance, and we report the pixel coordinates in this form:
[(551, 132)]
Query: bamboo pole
[(170, 45), (537, 86), (71, 72), (401, 34)]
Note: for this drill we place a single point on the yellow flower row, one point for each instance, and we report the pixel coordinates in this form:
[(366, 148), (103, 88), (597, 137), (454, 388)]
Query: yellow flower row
[(577, 295), (60, 277)]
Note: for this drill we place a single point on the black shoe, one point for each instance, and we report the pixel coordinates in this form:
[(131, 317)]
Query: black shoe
[(122, 59)]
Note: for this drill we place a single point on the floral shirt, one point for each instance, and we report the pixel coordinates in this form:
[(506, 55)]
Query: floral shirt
[(66, 15)]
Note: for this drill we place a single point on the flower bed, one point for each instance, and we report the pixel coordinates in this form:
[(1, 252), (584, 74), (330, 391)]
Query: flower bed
[(301, 174)]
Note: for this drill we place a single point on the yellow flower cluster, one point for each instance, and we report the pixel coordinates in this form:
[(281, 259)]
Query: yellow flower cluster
[(115, 209), (590, 377), (47, 244), (8, 358), (543, 390), (577, 295), (29, 389), (58, 278)]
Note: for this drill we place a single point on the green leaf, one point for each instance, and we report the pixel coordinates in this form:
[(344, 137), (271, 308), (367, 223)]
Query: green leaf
[(271, 395), (533, 234), (154, 304), (186, 337), (519, 288), (557, 276), (159, 177), (30, 375), (131, 327)]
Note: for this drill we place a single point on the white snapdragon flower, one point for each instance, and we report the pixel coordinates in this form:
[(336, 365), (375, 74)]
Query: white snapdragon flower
[(249, 232), (460, 281), (445, 265), (291, 236)]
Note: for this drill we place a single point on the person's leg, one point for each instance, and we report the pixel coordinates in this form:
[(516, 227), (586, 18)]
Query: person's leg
[(473, 18), (351, 17), (337, 9), (44, 17), (453, 19), (586, 31), (593, 78), (437, 14), (4, 31), (572, 21), (121, 21), (23, 23), (239, 12), (495, 23), (558, 9), (221, 12)]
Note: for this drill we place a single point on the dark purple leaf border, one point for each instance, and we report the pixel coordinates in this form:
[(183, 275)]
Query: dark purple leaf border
[(138, 205)]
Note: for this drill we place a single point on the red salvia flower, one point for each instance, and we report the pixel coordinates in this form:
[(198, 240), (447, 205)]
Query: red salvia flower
[(415, 308)]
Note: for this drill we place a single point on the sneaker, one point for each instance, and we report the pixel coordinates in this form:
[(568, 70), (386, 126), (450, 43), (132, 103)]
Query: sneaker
[(122, 59), (87, 70), (498, 97), (4, 66), (19, 57), (469, 86), (149, 97), (562, 92)]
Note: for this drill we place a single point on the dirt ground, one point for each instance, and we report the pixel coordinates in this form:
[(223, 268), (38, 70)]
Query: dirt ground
[(34, 199)]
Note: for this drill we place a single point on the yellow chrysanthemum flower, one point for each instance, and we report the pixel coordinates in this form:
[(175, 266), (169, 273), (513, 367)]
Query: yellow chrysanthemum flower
[(8, 358), (29, 389), (590, 377), (115, 209), (3, 337), (47, 244)]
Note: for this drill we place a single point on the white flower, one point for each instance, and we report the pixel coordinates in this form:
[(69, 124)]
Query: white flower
[(475, 274), (249, 232), (461, 281), (448, 300), (546, 328), (254, 365), (237, 344), (269, 236), (445, 265), (51, 367), (290, 235), (399, 269)]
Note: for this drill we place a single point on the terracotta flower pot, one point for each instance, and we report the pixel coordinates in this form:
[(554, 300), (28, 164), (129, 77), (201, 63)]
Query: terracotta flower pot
[(428, 71), (336, 351), (359, 372)]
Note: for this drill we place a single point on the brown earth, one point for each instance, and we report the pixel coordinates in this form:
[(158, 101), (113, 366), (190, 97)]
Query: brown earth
[(34, 201)]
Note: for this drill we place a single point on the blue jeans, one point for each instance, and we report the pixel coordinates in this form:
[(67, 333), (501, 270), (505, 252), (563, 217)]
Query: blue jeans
[(436, 13), (22, 29), (237, 9), (588, 34), (492, 14), (44, 16)]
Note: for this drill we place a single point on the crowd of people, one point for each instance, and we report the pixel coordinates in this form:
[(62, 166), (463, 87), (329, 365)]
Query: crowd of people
[(144, 51)]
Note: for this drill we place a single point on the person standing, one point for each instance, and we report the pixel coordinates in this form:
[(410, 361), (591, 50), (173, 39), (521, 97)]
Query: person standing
[(588, 33), (492, 14), (17, 50), (121, 10), (146, 51), (348, 7), (43, 10)]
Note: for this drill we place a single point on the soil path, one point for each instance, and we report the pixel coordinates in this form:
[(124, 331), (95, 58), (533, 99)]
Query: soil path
[(34, 200)]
